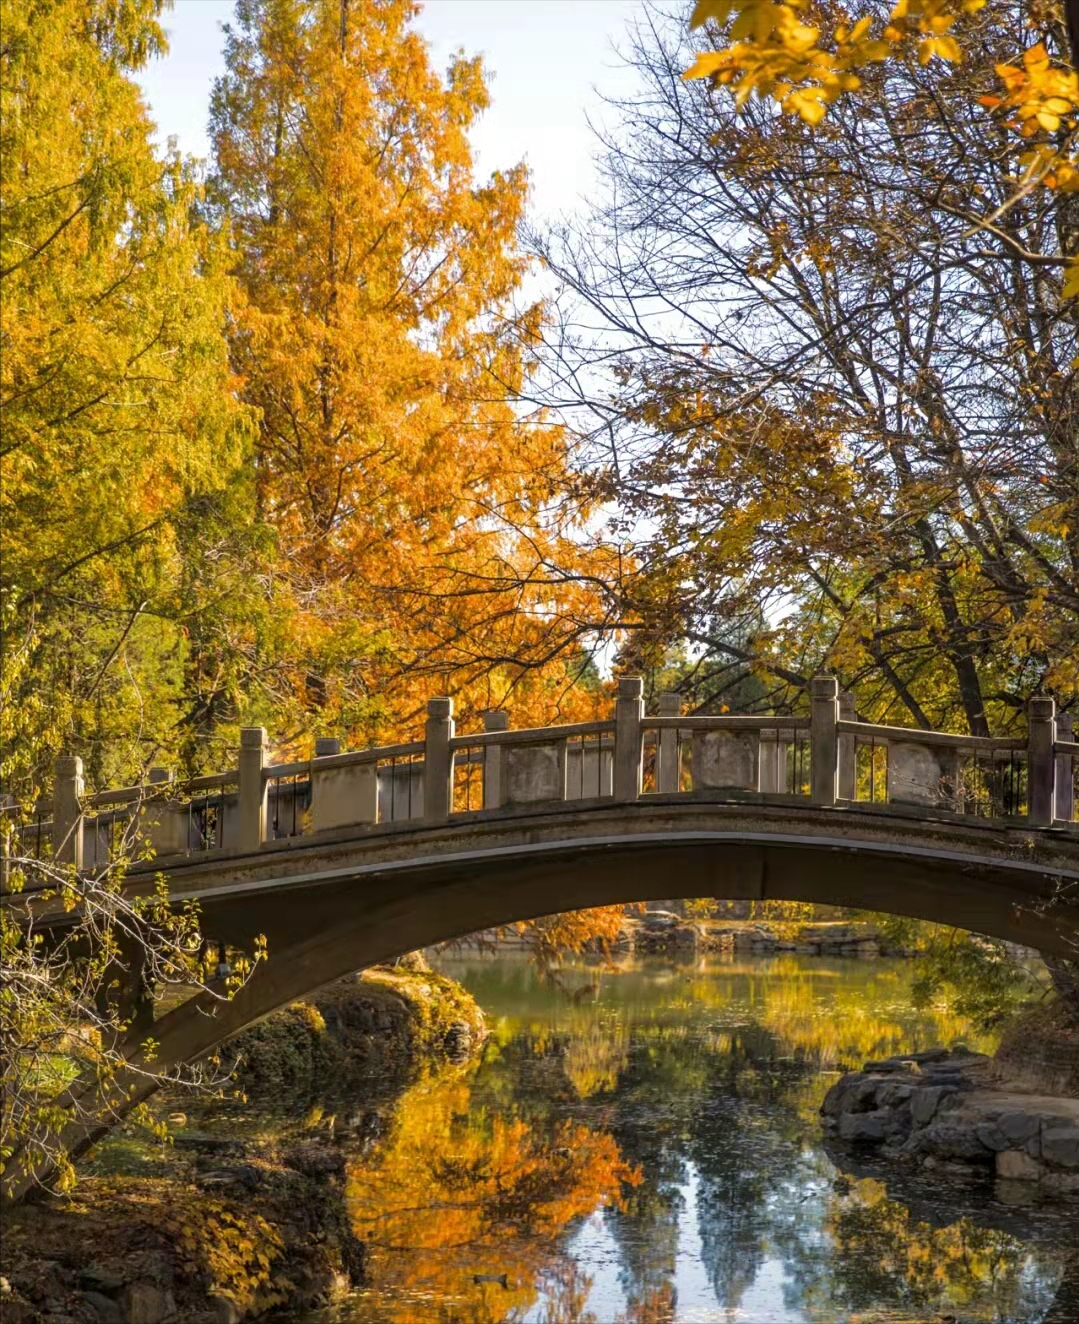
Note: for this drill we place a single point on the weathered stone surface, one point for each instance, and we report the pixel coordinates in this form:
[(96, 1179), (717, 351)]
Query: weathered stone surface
[(949, 1140), (726, 759), (147, 1303), (918, 774), (533, 774), (1015, 1165), (991, 1136), (104, 1307), (225, 1310), (862, 1126), (1018, 1127), (1060, 1145), (926, 1101)]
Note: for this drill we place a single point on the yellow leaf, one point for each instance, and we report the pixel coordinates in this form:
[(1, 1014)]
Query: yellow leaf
[(703, 10)]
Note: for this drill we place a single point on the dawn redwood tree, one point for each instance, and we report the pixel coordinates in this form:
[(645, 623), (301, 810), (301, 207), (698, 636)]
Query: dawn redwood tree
[(425, 528)]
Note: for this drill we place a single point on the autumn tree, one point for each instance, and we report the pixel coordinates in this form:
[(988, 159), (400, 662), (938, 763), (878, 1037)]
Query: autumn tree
[(841, 417), (121, 438), (806, 56), (426, 538)]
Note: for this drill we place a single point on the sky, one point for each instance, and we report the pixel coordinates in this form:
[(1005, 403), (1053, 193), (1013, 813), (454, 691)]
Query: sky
[(550, 61)]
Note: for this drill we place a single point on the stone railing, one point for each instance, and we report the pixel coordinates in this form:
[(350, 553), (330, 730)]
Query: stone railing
[(829, 759)]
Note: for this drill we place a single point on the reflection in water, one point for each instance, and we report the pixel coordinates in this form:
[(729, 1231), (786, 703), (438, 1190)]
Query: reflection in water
[(654, 1156)]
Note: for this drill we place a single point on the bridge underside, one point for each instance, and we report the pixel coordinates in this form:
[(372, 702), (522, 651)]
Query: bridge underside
[(349, 907)]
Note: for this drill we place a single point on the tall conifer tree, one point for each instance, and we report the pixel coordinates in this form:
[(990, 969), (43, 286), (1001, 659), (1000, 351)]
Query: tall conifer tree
[(422, 531)]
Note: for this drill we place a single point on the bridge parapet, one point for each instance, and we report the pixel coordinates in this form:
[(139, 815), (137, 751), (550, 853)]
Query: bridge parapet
[(829, 759)]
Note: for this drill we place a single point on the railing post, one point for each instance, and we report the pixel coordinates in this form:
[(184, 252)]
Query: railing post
[(1065, 803), (847, 780), (438, 760), (670, 705), (67, 795), (495, 720), (252, 807), (1041, 761), (628, 713), (823, 740)]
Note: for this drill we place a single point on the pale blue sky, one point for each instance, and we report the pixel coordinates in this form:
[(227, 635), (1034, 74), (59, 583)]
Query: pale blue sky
[(548, 59)]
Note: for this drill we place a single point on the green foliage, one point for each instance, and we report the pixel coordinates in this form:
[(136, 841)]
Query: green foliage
[(122, 436), (980, 978)]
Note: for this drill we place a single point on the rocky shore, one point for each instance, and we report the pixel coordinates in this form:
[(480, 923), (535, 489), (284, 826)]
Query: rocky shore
[(950, 1110), (661, 932), (245, 1218)]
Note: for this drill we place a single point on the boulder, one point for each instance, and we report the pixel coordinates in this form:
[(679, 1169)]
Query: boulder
[(1018, 1127), (1016, 1165), (949, 1140), (926, 1101), (1060, 1145), (862, 1126), (144, 1302)]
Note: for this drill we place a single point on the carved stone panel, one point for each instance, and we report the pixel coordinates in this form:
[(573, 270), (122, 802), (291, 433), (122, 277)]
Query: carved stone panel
[(344, 796), (533, 774), (920, 774), (727, 760)]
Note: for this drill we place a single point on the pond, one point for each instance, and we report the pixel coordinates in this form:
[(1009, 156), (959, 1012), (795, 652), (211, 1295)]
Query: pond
[(642, 1145)]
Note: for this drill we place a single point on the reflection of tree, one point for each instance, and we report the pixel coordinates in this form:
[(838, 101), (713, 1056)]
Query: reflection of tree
[(883, 1257), (565, 1294), (710, 1084), (456, 1194), (595, 1056)]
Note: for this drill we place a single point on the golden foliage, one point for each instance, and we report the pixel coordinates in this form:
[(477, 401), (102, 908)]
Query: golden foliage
[(453, 1190)]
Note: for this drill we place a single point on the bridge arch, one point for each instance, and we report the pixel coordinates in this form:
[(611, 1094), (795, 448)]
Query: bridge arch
[(337, 902), (359, 899)]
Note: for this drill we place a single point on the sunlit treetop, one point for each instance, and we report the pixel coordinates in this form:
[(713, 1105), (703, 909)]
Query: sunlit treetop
[(806, 55)]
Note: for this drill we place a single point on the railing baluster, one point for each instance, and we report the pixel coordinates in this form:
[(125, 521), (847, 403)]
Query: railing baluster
[(252, 808), (437, 761), (67, 815), (1041, 761), (670, 705), (824, 740), (628, 714)]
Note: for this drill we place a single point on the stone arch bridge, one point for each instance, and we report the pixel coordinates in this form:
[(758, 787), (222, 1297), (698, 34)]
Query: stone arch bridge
[(353, 858)]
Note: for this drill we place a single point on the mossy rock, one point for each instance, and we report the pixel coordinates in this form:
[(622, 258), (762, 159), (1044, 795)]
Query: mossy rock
[(382, 1023)]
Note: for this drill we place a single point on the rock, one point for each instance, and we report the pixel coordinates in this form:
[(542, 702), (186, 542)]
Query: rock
[(94, 1278), (144, 1302), (1060, 1145), (926, 1101), (894, 1093), (890, 1064), (104, 1307), (1018, 1127), (949, 1140), (991, 1136), (862, 1126), (1015, 1165), (225, 1310)]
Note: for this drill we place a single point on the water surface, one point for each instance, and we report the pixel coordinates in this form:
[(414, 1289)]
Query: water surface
[(642, 1146)]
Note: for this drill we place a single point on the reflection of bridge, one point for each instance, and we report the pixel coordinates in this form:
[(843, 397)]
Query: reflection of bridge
[(352, 858)]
